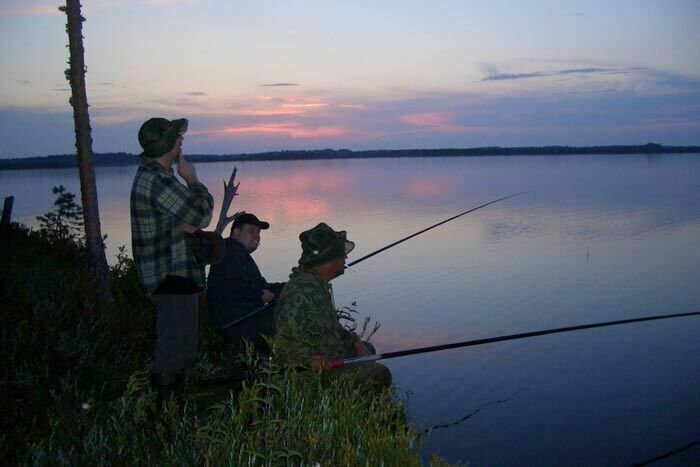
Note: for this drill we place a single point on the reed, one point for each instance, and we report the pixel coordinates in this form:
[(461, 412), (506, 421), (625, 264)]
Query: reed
[(75, 390)]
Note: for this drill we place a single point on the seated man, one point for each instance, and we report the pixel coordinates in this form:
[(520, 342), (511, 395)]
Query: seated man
[(307, 331), (235, 287)]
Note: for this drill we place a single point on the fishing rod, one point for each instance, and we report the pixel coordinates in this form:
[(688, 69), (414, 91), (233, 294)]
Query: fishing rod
[(271, 303), (432, 227), (337, 363)]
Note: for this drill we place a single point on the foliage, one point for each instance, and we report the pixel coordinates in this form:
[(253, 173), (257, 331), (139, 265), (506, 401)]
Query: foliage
[(65, 222), (349, 322), (75, 389)]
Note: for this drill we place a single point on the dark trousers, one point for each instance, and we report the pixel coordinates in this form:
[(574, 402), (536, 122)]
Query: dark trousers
[(177, 332), (252, 329)]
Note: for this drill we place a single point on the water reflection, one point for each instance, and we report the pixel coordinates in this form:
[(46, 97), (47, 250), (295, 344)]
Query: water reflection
[(598, 238)]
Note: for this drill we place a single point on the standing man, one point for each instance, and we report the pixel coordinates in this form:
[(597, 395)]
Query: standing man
[(307, 330), (162, 210), (235, 287)]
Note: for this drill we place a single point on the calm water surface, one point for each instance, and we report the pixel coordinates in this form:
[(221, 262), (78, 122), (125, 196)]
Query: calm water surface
[(598, 238)]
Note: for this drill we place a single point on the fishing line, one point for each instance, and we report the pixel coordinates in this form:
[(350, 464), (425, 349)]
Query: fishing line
[(468, 416), (376, 252), (668, 454)]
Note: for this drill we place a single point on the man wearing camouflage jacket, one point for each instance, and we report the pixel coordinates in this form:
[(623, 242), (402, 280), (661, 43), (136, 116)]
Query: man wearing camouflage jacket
[(307, 330)]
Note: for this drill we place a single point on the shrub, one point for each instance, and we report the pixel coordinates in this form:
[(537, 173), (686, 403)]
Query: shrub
[(75, 389)]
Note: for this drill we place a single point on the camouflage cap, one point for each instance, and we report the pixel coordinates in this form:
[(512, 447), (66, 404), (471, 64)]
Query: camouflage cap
[(157, 135), (322, 245)]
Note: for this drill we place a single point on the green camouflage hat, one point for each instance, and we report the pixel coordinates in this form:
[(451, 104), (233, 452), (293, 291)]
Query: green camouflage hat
[(322, 245), (157, 135)]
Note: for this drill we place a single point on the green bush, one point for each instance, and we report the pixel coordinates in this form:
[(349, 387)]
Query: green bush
[(75, 390)]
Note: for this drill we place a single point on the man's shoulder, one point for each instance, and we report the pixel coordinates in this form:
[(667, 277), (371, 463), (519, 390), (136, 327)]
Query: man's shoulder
[(303, 282), (301, 288), (235, 248), (149, 178), (232, 256)]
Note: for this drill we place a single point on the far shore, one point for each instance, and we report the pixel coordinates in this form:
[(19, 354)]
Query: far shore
[(123, 159)]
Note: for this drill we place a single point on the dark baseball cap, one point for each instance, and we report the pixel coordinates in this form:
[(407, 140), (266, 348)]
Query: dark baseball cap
[(248, 218)]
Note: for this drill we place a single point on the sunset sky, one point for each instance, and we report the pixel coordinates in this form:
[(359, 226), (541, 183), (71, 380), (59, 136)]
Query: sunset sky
[(260, 75)]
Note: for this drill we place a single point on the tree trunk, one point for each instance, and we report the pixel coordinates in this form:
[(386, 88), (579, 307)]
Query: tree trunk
[(83, 143), (7, 211)]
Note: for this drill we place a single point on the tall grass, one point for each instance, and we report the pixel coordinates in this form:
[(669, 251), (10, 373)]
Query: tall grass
[(75, 390)]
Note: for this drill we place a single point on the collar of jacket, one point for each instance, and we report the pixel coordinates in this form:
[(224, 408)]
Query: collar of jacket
[(304, 271), (151, 164)]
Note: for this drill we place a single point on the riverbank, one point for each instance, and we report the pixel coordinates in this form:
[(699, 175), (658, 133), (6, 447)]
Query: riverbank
[(75, 387)]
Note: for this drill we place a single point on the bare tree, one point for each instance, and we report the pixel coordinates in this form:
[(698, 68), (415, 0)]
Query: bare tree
[(230, 190), (83, 143)]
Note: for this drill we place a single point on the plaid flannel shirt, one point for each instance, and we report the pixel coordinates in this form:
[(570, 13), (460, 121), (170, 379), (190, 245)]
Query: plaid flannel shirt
[(159, 204)]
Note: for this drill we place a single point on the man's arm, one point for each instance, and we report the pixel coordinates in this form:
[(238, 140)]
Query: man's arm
[(233, 274), (275, 287), (192, 204)]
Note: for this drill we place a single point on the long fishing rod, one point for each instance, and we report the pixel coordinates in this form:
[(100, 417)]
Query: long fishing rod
[(432, 227), (337, 363), (271, 303)]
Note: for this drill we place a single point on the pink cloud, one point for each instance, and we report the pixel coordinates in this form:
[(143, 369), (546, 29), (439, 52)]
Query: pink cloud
[(271, 112), (294, 130), (307, 106), (425, 119), (433, 120)]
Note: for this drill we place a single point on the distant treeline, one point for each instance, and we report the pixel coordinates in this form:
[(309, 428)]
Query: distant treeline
[(121, 158)]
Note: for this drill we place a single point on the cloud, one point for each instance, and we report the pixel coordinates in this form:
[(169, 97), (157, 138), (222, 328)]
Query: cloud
[(434, 120), (307, 105), (195, 93), (425, 119), (24, 81), (635, 108), (271, 112), (293, 130), (278, 85), (28, 11), (50, 9), (540, 74)]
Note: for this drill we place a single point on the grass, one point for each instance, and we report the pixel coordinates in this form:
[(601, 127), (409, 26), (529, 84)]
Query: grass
[(75, 387)]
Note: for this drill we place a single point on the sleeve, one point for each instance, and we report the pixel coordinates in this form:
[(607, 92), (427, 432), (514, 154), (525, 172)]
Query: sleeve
[(244, 289), (275, 287), (233, 274), (192, 204)]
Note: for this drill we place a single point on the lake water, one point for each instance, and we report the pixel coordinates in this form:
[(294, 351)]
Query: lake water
[(597, 238)]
